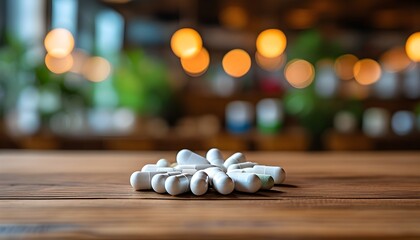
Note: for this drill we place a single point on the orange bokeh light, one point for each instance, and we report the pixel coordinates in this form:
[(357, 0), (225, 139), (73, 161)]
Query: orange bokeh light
[(96, 69), (80, 58), (59, 65), (271, 43), (59, 42), (367, 71), (395, 59), (186, 42), (270, 64), (412, 47), (299, 73), (344, 66), (197, 64), (236, 62)]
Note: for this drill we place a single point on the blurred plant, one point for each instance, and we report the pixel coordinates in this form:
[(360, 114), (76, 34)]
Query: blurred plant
[(142, 84), (314, 112)]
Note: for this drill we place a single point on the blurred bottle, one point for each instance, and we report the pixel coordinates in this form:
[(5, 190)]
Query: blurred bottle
[(376, 122), (239, 116), (269, 116)]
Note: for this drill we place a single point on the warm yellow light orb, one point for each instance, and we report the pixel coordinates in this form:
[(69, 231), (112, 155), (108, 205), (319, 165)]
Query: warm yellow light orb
[(236, 62), (196, 65), (59, 42), (271, 43), (270, 64), (96, 69), (344, 66), (412, 47), (299, 73), (59, 65), (367, 71), (79, 57), (186, 42), (395, 59)]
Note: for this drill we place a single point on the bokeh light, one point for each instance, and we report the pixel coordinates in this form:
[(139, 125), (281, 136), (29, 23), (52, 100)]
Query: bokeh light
[(375, 122), (412, 47), (270, 64), (59, 65), (186, 42), (299, 73), (367, 71), (344, 66), (59, 42), (345, 122), (239, 116), (271, 43), (96, 69), (236, 63), (234, 17), (403, 122), (196, 65), (79, 57), (395, 59)]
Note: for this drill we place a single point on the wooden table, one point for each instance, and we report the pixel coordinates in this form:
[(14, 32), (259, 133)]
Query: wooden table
[(59, 195)]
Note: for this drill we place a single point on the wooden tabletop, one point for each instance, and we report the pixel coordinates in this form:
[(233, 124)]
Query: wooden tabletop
[(66, 195)]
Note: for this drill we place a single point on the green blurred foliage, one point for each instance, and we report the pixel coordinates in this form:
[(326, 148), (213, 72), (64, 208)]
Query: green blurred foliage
[(313, 112), (142, 83)]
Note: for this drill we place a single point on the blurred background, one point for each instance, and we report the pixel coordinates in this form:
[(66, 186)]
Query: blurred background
[(234, 74)]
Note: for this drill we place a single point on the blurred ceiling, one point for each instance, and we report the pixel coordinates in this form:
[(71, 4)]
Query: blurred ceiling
[(289, 15)]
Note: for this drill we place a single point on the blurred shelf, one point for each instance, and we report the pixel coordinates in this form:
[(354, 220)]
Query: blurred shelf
[(347, 141), (358, 141)]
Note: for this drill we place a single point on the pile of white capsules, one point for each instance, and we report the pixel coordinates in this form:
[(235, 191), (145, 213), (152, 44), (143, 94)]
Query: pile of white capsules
[(197, 174)]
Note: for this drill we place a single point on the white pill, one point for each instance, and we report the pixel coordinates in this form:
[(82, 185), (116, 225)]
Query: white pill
[(187, 157), (241, 166), (214, 156), (278, 173), (178, 184), (245, 182), (234, 159), (188, 171), (156, 168), (222, 183), (142, 180), (163, 163), (199, 183), (196, 167), (211, 172), (158, 181)]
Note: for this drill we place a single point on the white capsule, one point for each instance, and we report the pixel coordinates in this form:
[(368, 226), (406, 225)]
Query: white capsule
[(163, 163), (156, 168), (214, 156), (142, 180), (267, 181), (158, 181), (211, 172), (234, 159), (222, 183), (278, 173), (188, 171), (187, 157), (241, 165), (245, 182), (196, 167), (199, 183), (178, 184)]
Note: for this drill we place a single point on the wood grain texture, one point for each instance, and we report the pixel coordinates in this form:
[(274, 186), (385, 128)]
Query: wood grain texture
[(86, 195)]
